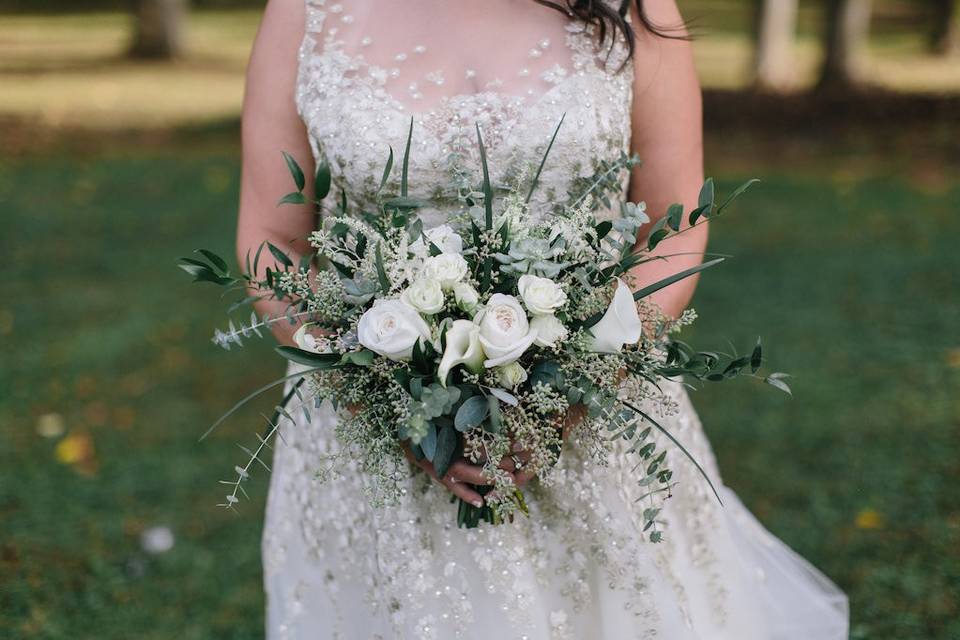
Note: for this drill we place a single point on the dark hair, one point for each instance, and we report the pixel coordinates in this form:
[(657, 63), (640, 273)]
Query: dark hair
[(611, 22)]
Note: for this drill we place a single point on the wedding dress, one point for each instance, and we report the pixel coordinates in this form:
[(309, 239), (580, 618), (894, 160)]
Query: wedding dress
[(579, 566)]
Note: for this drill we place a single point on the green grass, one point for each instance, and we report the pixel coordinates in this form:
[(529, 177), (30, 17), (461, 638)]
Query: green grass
[(851, 281)]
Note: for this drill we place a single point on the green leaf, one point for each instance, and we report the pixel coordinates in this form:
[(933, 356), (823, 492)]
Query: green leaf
[(603, 229), (705, 200), (404, 202), (416, 388), (505, 397), (406, 162), (756, 358), (360, 358), (319, 360), (676, 443), (381, 272), (675, 216), (421, 360), (294, 197), (776, 380), (446, 448), (736, 194), (487, 188), (295, 171), (543, 161), (471, 413), (697, 213), (217, 261), (666, 282), (281, 257), (428, 443), (321, 181), (386, 172), (656, 237), (495, 423)]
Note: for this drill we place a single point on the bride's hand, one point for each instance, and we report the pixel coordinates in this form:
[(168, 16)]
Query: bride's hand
[(458, 478)]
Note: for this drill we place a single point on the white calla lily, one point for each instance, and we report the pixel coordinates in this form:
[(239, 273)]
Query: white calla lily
[(463, 347), (620, 324), (308, 342)]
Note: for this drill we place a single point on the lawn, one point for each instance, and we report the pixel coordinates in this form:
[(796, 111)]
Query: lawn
[(108, 377)]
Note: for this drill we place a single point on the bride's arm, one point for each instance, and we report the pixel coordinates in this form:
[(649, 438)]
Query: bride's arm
[(668, 136), (271, 125)]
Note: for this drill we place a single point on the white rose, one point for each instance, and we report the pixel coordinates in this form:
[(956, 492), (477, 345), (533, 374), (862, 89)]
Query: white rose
[(463, 347), (541, 295), (446, 268), (549, 330), (511, 375), (444, 237), (505, 332), (309, 342), (620, 324), (391, 328), (466, 297), (426, 296)]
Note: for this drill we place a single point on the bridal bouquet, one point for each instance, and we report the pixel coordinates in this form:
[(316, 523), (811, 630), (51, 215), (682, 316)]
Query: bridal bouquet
[(477, 337)]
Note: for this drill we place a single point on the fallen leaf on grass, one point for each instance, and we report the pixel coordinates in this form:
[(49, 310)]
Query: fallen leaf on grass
[(77, 450)]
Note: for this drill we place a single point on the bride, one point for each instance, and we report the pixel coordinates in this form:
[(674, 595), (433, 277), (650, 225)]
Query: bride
[(339, 81)]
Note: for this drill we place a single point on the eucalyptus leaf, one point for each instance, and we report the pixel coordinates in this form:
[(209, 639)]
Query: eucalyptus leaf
[(446, 448), (505, 397), (428, 443), (471, 413)]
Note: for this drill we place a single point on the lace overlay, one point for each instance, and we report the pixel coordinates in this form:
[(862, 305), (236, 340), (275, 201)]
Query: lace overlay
[(357, 94), (579, 566)]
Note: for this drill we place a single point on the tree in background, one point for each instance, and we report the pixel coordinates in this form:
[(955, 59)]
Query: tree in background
[(846, 31), (159, 26), (775, 25), (945, 38)]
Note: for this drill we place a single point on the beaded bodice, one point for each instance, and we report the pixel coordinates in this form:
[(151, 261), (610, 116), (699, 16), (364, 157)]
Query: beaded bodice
[(512, 67)]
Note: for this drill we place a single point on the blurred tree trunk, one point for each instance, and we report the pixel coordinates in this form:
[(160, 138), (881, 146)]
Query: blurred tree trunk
[(158, 29), (776, 24), (846, 31), (946, 27)]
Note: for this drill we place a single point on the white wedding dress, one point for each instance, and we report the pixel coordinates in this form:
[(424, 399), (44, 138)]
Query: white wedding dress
[(579, 567)]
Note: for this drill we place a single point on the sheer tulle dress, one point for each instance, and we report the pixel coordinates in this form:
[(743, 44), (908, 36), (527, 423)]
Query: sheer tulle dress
[(580, 566)]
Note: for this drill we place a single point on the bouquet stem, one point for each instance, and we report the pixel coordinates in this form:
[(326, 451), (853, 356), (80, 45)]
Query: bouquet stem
[(470, 516)]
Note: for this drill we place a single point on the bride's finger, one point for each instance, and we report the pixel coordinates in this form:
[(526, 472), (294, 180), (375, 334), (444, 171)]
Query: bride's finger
[(509, 462), (463, 471), (462, 491), (524, 477)]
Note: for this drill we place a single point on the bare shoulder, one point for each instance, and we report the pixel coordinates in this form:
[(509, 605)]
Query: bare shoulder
[(281, 29), (272, 69), (661, 62)]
